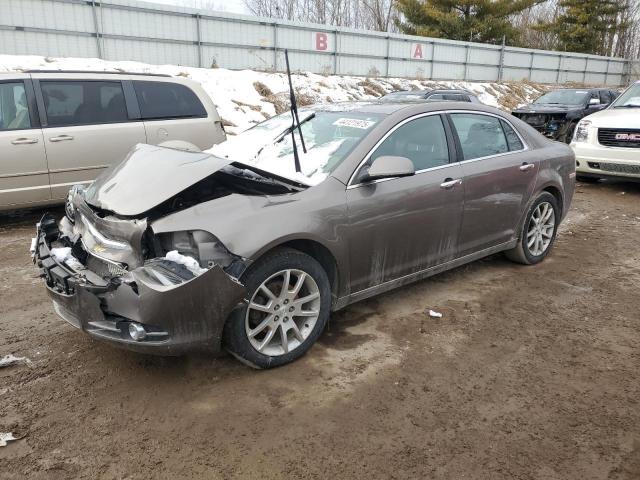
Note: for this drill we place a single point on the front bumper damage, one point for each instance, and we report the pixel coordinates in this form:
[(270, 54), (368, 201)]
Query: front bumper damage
[(553, 126), (176, 317)]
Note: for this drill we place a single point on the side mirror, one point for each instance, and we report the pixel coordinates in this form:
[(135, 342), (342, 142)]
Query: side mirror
[(390, 167), (594, 101)]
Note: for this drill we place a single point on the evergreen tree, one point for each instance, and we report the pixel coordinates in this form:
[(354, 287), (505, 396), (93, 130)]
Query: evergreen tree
[(486, 21), (587, 26)]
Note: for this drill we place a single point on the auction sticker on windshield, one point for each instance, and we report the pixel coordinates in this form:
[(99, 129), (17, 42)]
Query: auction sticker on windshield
[(354, 123)]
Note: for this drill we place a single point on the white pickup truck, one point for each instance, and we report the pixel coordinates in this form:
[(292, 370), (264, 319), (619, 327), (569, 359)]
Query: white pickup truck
[(607, 143)]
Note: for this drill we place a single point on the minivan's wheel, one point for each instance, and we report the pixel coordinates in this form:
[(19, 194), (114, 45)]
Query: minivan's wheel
[(286, 309), (538, 232)]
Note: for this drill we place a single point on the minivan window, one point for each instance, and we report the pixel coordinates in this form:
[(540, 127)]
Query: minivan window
[(423, 141), (161, 100), (480, 135), (69, 102), (14, 111)]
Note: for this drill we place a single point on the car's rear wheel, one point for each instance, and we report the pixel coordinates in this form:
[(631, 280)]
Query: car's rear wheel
[(538, 231), (286, 309)]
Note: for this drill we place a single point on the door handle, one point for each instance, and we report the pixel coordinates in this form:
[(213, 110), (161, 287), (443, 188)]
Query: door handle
[(61, 138), (449, 183), (525, 167), (24, 141)]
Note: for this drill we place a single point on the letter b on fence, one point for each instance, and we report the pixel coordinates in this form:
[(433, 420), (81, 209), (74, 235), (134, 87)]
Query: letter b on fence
[(320, 41)]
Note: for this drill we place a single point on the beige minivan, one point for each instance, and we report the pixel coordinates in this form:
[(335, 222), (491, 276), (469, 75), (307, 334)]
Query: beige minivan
[(58, 129)]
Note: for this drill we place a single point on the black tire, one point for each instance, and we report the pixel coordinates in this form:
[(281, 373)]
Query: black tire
[(235, 337), (521, 253), (587, 179)]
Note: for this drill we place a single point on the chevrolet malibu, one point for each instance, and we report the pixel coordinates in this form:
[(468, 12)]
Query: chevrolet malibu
[(250, 246)]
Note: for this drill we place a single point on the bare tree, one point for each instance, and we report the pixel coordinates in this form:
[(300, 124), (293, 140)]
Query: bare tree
[(626, 42), (365, 14), (380, 13), (533, 38)]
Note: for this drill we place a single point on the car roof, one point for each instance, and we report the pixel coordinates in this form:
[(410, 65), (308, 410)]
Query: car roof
[(586, 89), (434, 90), (451, 90), (388, 108), (408, 92)]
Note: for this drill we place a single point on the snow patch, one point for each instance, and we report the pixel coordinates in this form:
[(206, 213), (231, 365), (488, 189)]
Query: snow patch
[(6, 437), (60, 254), (191, 263), (10, 359), (235, 92)]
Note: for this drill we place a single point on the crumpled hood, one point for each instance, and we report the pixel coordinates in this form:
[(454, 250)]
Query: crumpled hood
[(548, 109), (149, 176)]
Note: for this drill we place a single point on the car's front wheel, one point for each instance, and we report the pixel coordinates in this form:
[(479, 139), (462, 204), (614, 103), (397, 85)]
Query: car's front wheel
[(286, 309), (538, 231)]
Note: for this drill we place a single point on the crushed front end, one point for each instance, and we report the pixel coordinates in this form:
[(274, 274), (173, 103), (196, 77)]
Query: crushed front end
[(114, 279), (556, 126)]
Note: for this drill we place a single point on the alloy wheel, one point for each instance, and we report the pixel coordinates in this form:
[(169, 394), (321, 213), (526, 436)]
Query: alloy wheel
[(541, 228), (282, 312)]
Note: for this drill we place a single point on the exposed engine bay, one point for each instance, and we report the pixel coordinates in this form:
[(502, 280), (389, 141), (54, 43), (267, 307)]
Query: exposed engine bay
[(556, 126), (131, 283)]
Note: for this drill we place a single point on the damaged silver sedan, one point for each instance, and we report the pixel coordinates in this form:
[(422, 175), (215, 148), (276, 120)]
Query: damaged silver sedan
[(250, 246)]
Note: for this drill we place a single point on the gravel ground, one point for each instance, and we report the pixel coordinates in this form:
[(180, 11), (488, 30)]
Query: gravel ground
[(531, 373)]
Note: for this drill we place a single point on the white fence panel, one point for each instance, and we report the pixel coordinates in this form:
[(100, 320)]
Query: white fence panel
[(132, 30), (75, 17)]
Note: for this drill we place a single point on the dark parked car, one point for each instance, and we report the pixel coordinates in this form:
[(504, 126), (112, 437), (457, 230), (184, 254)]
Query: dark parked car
[(437, 95), (250, 247), (556, 114)]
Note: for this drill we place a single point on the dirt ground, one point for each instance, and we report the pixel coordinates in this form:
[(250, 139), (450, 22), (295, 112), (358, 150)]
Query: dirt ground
[(531, 373)]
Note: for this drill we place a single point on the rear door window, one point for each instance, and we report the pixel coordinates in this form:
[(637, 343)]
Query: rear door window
[(164, 100), (513, 140), (14, 110), (70, 102), (480, 135)]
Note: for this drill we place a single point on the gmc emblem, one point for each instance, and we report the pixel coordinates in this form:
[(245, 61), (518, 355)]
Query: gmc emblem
[(632, 137)]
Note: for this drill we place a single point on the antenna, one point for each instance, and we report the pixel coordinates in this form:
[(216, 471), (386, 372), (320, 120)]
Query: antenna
[(294, 115)]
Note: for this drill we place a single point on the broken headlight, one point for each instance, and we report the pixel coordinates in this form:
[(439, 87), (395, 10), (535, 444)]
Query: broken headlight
[(69, 205), (197, 244), (582, 131)]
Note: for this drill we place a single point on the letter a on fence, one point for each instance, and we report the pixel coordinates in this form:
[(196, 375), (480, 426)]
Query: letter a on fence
[(416, 51)]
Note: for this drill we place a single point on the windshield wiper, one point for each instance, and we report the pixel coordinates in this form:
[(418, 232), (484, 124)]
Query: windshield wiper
[(627, 106), (288, 130), (294, 114)]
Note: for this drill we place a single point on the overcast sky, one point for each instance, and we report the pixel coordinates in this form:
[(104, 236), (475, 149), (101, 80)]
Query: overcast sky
[(232, 6)]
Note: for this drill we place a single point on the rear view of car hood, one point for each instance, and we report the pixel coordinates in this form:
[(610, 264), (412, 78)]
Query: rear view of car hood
[(149, 176)]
